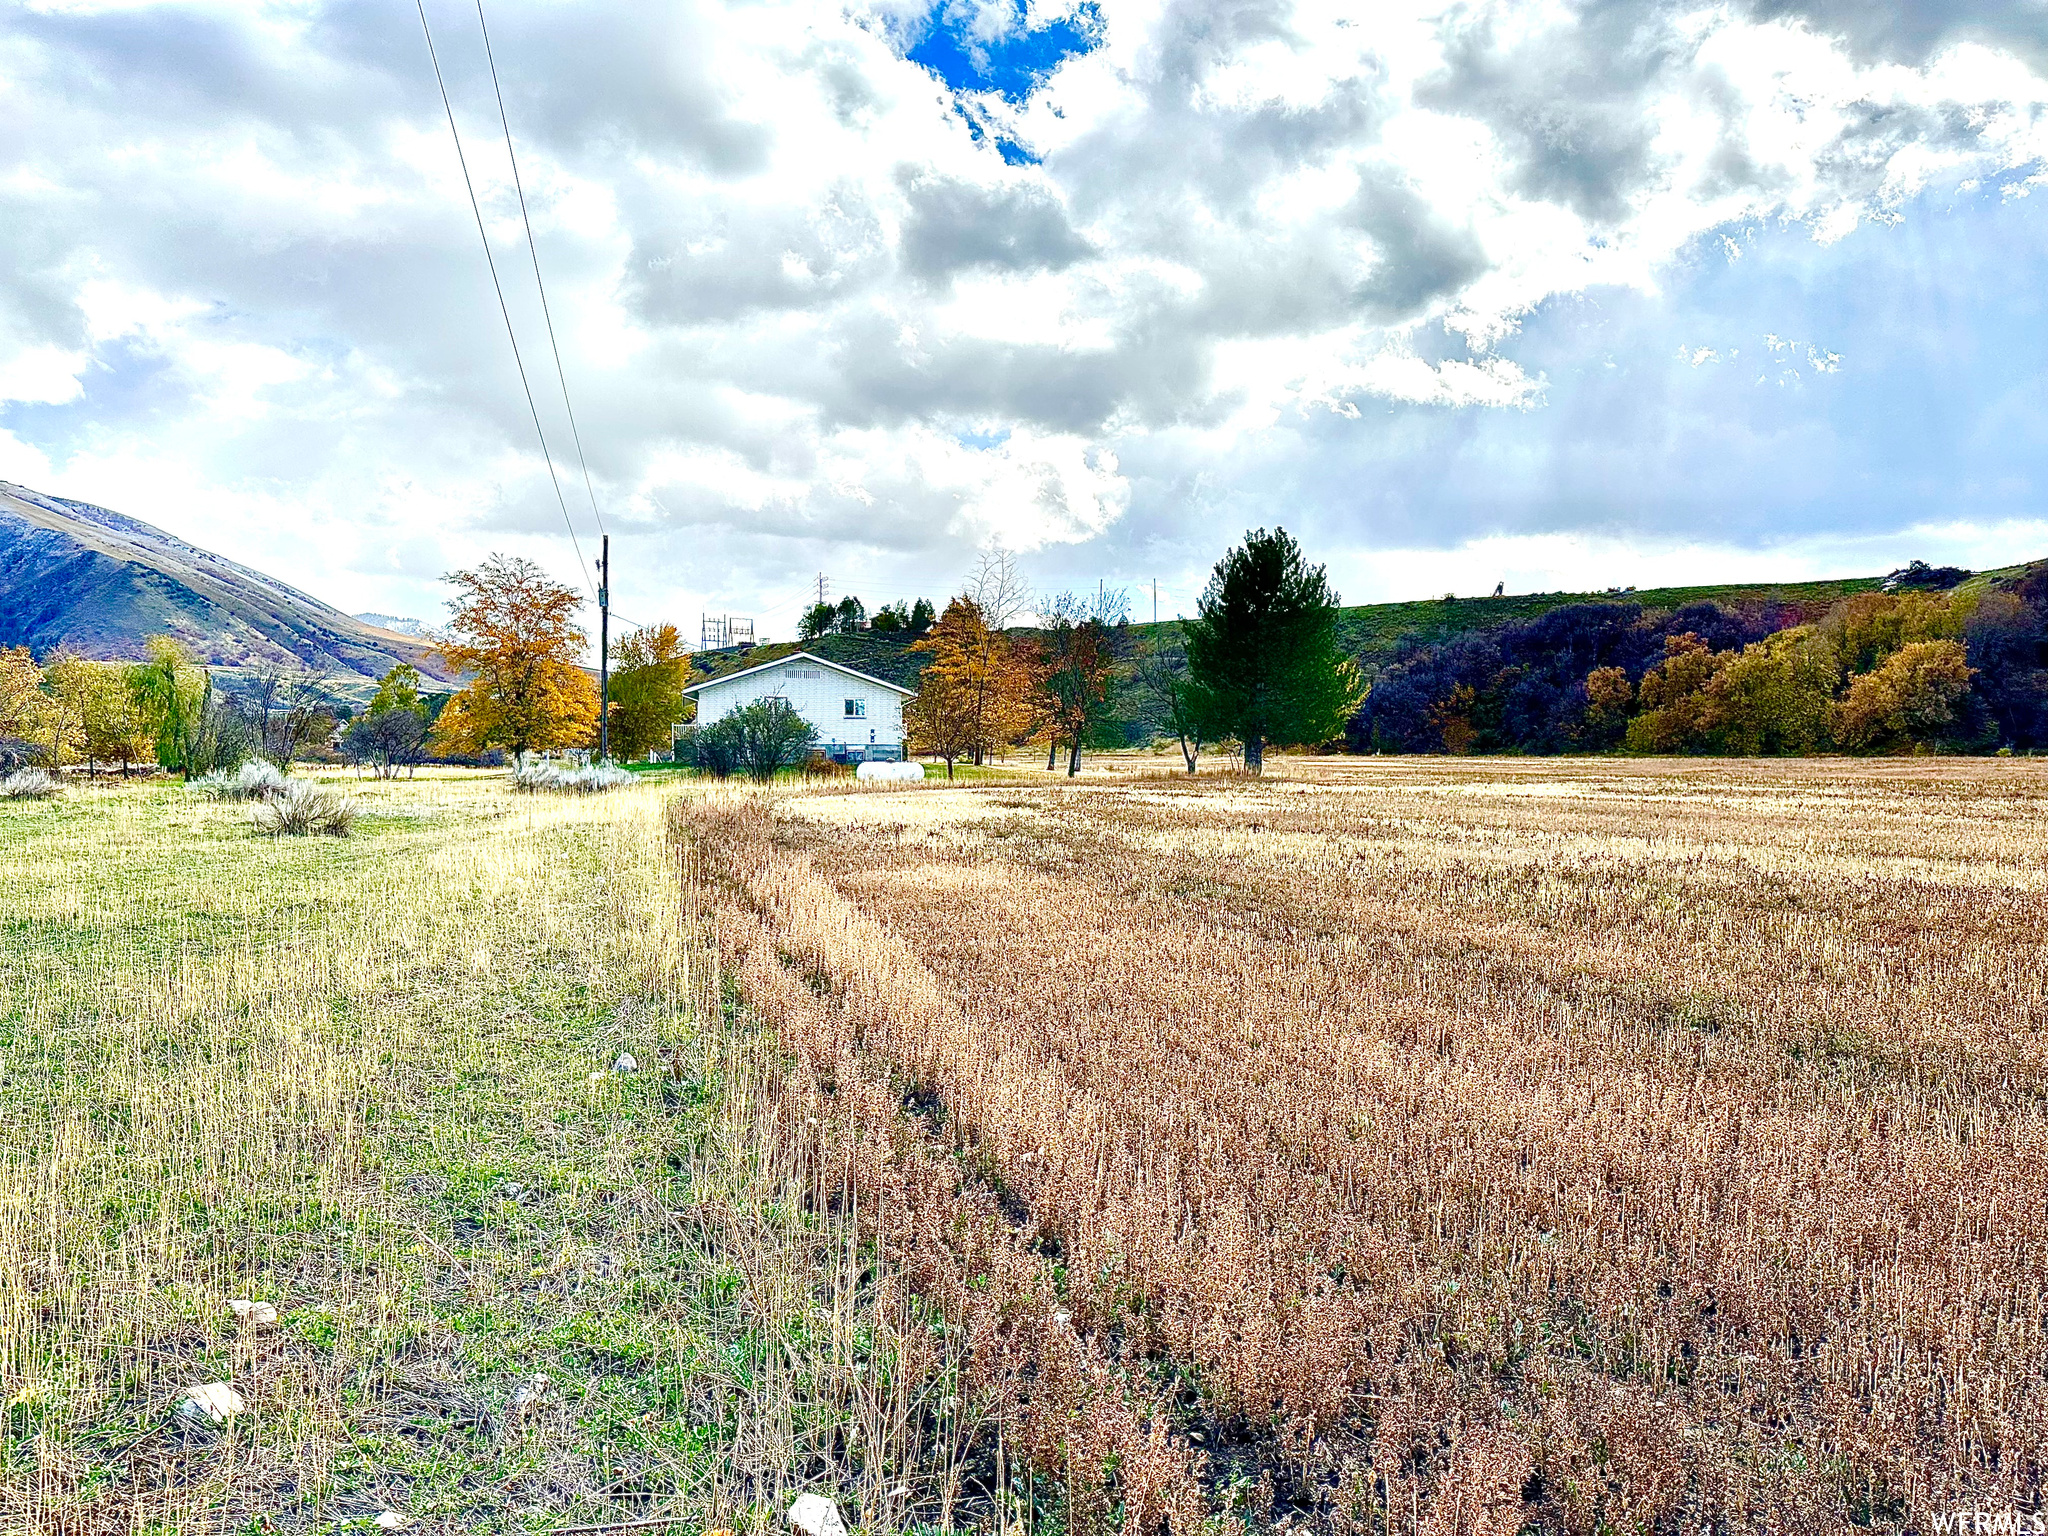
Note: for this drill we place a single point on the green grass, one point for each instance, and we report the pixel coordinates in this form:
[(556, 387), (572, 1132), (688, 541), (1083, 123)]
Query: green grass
[(369, 1080)]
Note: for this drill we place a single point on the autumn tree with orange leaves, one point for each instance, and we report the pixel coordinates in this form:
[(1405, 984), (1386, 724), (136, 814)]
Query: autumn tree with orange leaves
[(514, 635), (972, 697), (1075, 670)]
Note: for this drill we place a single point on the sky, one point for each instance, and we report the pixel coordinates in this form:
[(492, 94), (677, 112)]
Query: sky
[(1561, 295)]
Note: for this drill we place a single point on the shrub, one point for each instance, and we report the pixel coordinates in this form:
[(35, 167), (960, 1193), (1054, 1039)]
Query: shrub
[(257, 779), (304, 809), (566, 779), (387, 739), (768, 735), (714, 749), (28, 784)]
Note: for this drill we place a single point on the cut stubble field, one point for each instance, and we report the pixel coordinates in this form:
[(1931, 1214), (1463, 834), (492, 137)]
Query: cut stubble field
[(1440, 1145), (1382, 1146)]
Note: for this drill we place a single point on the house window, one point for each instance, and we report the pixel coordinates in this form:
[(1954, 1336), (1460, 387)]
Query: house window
[(856, 709)]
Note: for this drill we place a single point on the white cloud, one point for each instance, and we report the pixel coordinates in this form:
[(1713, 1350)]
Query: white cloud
[(787, 279), (41, 375)]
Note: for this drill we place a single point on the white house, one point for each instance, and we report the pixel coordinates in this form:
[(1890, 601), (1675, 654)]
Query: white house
[(858, 718)]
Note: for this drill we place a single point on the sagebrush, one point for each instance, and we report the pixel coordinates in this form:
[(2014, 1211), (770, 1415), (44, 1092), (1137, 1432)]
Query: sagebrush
[(569, 778), (256, 779), (305, 809), (28, 784)]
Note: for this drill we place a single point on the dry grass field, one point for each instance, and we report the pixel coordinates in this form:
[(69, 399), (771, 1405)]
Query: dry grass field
[(1438, 1146)]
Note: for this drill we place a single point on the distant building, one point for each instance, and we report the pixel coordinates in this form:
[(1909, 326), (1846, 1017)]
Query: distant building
[(858, 718)]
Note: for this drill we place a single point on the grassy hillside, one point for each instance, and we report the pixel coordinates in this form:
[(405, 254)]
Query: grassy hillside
[(80, 578), (886, 656), (1369, 631), (1375, 631)]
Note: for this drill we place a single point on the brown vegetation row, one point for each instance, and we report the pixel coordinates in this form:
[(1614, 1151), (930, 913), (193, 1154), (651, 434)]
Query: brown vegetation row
[(1451, 1149)]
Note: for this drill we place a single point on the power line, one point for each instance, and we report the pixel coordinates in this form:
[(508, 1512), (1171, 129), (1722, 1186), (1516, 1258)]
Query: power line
[(533, 250), (499, 288)]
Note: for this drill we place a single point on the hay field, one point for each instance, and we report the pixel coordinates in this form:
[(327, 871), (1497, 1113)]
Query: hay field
[(1402, 1145), (368, 1081)]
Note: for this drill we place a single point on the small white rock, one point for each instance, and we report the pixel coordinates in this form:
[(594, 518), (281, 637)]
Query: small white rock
[(391, 1520), (254, 1313), (625, 1063), (214, 1403), (526, 1397), (816, 1515)]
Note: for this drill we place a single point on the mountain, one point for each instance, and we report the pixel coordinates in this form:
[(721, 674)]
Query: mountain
[(414, 627), (80, 578)]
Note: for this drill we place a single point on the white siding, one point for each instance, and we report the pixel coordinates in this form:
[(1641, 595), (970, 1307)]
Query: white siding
[(820, 698)]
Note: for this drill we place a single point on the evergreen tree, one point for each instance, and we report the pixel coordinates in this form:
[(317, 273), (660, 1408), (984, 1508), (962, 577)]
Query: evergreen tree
[(1263, 661)]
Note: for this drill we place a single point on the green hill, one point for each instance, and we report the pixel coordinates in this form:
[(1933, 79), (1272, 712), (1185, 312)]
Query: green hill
[(1375, 632), (887, 656)]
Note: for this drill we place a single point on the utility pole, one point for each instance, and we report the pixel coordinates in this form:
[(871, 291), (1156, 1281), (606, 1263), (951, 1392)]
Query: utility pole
[(823, 587), (1155, 599), (604, 651)]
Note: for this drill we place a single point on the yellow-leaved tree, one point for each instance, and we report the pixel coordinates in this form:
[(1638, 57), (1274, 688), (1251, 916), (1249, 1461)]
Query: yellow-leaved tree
[(100, 706), (32, 726), (1914, 701), (944, 719), (513, 634), (650, 669), (975, 693)]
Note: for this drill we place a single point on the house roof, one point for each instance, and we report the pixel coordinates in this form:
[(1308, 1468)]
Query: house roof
[(795, 656)]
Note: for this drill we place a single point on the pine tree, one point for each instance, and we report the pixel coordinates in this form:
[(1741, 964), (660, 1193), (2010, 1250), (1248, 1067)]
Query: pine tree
[(1263, 660)]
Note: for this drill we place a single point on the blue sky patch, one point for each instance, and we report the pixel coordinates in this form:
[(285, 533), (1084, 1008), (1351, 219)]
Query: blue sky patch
[(1012, 65), (981, 128)]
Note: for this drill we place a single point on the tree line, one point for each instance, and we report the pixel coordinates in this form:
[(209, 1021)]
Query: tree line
[(512, 635), (1258, 666), (1958, 670), (1933, 663), (163, 710)]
